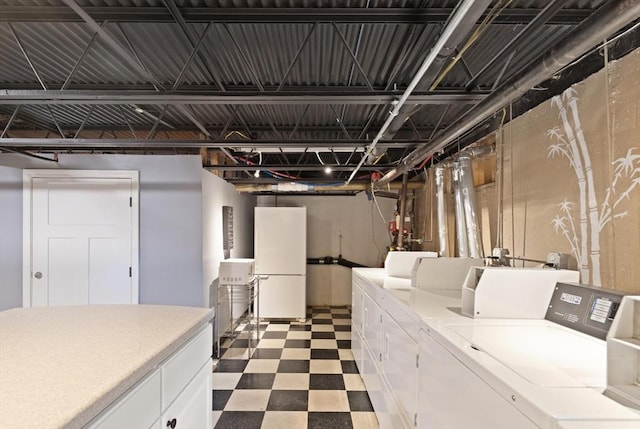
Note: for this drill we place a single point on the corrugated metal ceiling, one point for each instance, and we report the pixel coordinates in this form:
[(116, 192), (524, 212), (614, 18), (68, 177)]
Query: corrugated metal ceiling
[(252, 58)]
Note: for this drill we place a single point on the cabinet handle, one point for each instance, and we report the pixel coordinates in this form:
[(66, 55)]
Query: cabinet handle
[(386, 346), (172, 423)]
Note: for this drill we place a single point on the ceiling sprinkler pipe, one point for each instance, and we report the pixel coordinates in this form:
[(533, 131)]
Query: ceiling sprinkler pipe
[(607, 20), (451, 27)]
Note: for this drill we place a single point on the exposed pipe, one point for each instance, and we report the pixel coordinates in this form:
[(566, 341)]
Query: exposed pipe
[(474, 238), (443, 233), (461, 226), (403, 209), (306, 187), (435, 69), (329, 260), (458, 17), (608, 19)]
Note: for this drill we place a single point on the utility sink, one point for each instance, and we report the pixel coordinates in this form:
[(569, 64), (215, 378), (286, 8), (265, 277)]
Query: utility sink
[(544, 354)]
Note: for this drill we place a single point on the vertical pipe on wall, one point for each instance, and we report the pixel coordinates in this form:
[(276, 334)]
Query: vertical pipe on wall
[(461, 227), (443, 238), (465, 177), (403, 209)]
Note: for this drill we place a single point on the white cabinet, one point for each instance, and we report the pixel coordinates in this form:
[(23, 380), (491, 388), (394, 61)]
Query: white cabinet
[(175, 394), (384, 352), (400, 367), (454, 397), (372, 332), (140, 407), (188, 410)]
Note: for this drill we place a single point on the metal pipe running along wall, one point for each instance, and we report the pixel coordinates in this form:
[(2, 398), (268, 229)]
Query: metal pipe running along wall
[(443, 233), (606, 21)]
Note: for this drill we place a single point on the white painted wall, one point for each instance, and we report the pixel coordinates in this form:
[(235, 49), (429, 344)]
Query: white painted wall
[(215, 194), (364, 239), (171, 263)]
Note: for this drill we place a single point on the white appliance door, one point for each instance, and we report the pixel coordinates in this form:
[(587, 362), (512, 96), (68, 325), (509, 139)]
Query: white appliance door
[(281, 240), (282, 297)]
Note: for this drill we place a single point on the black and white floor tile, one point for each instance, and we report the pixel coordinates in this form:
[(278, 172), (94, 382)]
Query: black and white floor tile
[(301, 375)]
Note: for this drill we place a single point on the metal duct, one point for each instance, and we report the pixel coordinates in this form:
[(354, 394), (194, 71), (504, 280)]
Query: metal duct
[(607, 20), (403, 210), (443, 233), (465, 178), (461, 226)]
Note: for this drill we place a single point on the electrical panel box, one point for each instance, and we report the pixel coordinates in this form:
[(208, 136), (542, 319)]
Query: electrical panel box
[(236, 271)]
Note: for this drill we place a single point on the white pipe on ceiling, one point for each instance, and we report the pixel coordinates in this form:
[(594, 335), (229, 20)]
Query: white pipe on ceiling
[(457, 17)]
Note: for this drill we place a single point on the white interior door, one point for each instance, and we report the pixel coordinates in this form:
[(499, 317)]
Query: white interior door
[(81, 236)]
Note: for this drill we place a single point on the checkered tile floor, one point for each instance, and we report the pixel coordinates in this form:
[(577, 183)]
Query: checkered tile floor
[(301, 375)]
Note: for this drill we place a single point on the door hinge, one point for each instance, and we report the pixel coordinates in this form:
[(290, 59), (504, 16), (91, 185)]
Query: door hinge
[(129, 271), (417, 361), (130, 201)]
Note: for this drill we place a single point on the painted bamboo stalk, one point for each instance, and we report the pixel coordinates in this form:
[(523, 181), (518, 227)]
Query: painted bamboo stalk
[(577, 164), (594, 222)]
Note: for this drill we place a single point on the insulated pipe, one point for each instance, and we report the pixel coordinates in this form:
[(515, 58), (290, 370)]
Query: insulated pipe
[(461, 227), (305, 187), (329, 260), (608, 19), (465, 177), (443, 236), (456, 19), (403, 209)]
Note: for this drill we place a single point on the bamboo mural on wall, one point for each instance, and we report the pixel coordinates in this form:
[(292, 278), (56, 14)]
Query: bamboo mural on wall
[(581, 227)]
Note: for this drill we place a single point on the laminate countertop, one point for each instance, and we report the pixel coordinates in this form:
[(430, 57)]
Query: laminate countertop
[(61, 366)]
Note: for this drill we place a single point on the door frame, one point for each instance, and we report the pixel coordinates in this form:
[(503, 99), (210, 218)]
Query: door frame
[(27, 177)]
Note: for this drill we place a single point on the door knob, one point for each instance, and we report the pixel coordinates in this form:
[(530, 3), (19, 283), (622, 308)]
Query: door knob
[(38, 275)]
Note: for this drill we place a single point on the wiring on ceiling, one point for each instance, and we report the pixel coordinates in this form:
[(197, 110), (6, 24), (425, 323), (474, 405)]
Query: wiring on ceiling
[(239, 133)]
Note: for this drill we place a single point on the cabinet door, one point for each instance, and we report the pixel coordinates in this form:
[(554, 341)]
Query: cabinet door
[(357, 314), (137, 408), (372, 334), (357, 306), (454, 397), (400, 366), (192, 407), (380, 394)]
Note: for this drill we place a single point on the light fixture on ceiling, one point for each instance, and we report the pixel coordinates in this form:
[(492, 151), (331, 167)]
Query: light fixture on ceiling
[(256, 174), (138, 109), (327, 170)]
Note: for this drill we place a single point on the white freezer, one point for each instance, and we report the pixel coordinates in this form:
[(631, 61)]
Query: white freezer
[(282, 297), (281, 240)]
